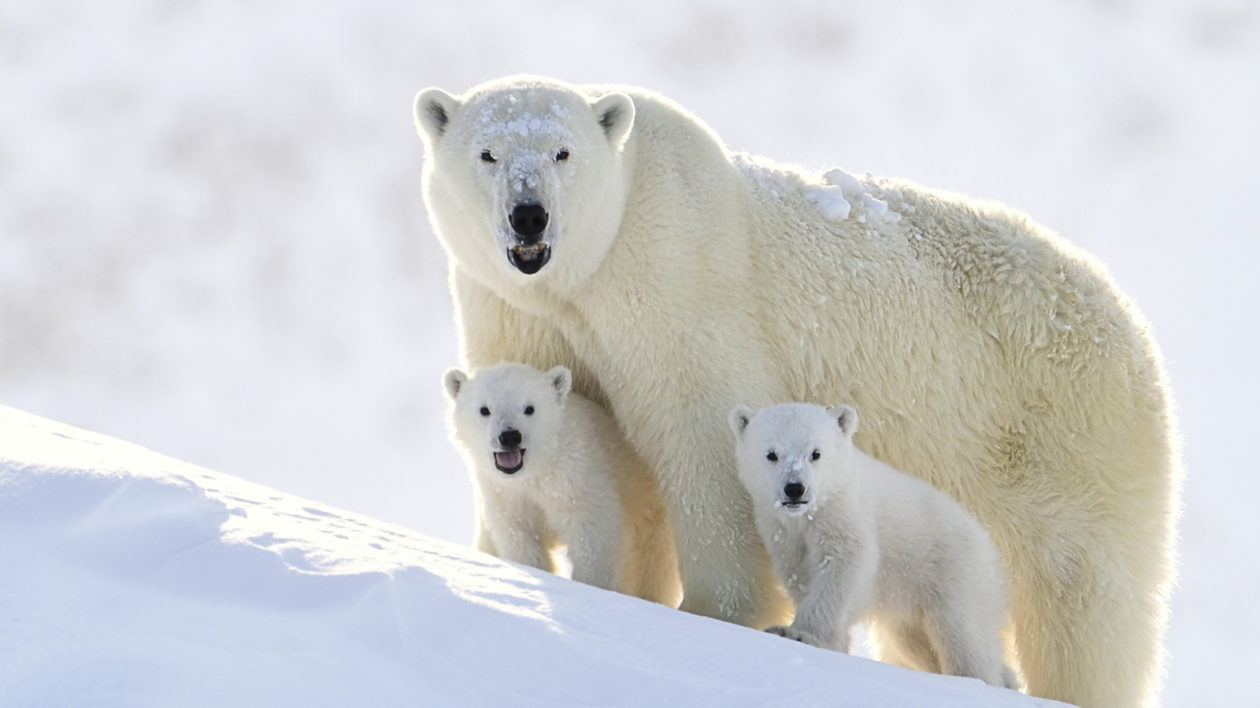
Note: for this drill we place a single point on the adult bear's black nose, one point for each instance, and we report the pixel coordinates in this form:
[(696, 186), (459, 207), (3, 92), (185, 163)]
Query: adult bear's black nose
[(510, 438), (528, 221), (794, 491)]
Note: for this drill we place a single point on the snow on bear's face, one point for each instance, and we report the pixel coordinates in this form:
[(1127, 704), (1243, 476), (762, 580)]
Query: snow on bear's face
[(786, 454), (523, 178), (510, 413)]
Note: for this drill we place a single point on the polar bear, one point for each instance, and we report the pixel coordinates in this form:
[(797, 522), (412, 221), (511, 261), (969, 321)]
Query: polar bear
[(609, 230), (552, 469), (852, 539)]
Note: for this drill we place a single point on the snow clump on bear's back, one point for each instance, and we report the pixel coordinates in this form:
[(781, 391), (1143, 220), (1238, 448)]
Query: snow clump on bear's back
[(837, 194)]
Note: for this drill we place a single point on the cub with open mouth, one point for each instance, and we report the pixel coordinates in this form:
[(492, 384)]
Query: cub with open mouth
[(552, 469)]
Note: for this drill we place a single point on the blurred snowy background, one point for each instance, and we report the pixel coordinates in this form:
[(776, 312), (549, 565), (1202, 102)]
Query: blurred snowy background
[(212, 241)]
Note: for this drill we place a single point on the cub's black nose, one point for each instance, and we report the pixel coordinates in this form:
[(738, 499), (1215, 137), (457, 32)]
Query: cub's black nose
[(510, 438), (528, 221), (794, 490)]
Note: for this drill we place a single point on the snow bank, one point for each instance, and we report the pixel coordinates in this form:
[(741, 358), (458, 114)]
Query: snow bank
[(134, 579)]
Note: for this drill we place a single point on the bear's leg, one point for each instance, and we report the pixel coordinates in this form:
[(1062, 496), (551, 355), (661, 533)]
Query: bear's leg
[(649, 559), (904, 643), (593, 536), (1089, 548), (484, 540), (520, 534), (1098, 646), (831, 604), (967, 645), (804, 636), (726, 572)]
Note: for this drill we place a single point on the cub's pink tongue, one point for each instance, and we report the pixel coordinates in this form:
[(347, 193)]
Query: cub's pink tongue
[(508, 460)]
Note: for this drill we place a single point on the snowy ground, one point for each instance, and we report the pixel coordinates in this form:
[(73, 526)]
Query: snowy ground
[(132, 579), (212, 241)]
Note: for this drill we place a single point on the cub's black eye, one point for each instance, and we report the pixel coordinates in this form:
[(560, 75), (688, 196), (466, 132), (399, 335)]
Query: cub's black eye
[(562, 155), (529, 410), (772, 456), (485, 411), (815, 455), (487, 157)]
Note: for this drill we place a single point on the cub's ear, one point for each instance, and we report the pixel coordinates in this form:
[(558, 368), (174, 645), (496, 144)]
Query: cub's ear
[(561, 380), (615, 113), (739, 420), (847, 418), (453, 380), (434, 108)]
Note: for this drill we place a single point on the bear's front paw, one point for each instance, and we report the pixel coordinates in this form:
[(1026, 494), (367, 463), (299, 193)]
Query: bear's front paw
[(791, 633)]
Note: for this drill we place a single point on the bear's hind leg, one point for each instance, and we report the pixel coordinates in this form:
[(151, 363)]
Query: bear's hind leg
[(1101, 653), (904, 643), (1091, 566), (967, 646)]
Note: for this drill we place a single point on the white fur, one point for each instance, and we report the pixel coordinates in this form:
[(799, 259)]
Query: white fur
[(578, 484), (852, 538), (988, 356)]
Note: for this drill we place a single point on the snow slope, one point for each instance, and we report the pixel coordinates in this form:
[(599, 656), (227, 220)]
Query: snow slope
[(133, 579)]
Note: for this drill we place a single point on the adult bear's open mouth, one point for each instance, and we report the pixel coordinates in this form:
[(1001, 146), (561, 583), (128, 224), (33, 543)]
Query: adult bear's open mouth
[(529, 258), (509, 461)]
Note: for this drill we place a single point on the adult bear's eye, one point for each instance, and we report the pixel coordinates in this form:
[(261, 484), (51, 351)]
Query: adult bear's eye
[(772, 456), (487, 157), (815, 455), (529, 410), (485, 411), (562, 155)]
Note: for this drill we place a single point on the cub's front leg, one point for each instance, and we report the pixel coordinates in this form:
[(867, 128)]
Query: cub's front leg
[(593, 535), (837, 593), (518, 531)]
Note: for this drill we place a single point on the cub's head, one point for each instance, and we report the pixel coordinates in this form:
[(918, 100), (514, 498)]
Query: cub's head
[(786, 453), (506, 415), (523, 177)]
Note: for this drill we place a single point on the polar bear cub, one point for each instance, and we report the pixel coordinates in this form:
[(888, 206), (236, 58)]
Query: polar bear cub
[(552, 469), (853, 538)]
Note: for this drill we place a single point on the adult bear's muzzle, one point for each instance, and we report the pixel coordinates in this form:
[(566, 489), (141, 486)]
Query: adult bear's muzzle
[(531, 252)]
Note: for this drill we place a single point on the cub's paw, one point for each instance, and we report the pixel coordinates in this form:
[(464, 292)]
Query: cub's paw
[(792, 633)]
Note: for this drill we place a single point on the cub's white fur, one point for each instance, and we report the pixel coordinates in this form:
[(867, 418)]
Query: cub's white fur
[(551, 468), (853, 538)]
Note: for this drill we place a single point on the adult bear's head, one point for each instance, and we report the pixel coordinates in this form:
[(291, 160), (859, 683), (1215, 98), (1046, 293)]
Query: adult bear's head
[(523, 177)]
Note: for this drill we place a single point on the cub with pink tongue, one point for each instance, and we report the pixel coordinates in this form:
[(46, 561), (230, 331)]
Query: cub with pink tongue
[(511, 458), (584, 488)]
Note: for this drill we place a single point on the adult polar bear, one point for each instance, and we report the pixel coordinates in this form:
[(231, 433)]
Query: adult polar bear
[(607, 229)]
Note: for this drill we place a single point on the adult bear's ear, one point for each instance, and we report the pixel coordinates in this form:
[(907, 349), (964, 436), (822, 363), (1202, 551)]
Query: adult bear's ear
[(615, 113), (434, 108), (740, 418), (561, 380), (453, 380), (847, 418)]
